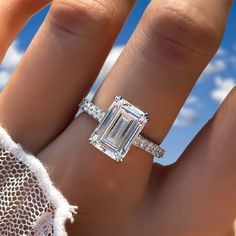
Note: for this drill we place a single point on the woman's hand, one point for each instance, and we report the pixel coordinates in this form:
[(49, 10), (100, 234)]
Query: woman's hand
[(172, 45)]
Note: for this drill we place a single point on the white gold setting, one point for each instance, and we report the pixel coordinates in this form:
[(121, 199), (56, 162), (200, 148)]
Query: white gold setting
[(119, 128)]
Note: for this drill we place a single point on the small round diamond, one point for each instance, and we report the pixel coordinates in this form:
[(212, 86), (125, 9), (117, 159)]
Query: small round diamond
[(150, 147), (92, 110), (143, 144), (136, 142)]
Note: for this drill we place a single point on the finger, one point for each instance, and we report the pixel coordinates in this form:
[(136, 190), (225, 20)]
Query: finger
[(13, 16), (156, 71), (203, 181), (59, 68)]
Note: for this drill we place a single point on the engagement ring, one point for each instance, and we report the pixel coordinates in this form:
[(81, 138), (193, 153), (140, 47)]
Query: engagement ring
[(119, 128)]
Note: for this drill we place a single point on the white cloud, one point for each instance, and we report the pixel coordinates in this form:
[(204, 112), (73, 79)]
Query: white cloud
[(11, 59), (4, 77), (223, 87), (221, 52), (187, 116), (110, 61), (215, 66), (192, 100)]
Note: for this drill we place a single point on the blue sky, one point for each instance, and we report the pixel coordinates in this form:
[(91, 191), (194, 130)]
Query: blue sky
[(212, 87)]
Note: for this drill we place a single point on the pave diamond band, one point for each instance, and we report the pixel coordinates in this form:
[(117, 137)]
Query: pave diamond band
[(148, 146), (92, 110), (119, 128)]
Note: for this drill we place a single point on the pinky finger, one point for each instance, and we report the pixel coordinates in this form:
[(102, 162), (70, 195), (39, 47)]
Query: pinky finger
[(13, 15)]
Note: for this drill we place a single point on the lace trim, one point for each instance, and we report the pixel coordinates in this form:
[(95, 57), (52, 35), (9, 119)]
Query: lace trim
[(64, 211)]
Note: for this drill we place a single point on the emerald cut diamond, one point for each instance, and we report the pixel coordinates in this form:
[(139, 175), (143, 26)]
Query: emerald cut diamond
[(118, 129)]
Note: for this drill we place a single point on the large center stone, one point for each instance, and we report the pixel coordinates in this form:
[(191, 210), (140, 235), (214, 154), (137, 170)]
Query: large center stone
[(118, 129)]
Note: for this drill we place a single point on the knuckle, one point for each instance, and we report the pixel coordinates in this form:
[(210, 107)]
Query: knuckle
[(81, 17), (181, 31)]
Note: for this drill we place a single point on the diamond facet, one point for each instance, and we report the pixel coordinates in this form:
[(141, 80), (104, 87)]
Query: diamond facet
[(118, 129)]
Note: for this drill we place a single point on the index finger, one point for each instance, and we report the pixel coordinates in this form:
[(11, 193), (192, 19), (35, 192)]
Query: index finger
[(13, 15)]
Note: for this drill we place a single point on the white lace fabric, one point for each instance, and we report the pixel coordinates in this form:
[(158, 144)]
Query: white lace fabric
[(30, 205)]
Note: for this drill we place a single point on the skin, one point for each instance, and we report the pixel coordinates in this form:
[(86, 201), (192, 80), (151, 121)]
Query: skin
[(170, 48)]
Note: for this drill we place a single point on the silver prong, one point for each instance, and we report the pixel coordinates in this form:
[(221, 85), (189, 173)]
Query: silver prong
[(90, 140), (82, 103), (146, 115), (118, 98), (121, 159), (162, 153)]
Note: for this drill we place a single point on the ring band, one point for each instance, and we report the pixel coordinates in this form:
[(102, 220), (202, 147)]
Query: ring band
[(119, 128)]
